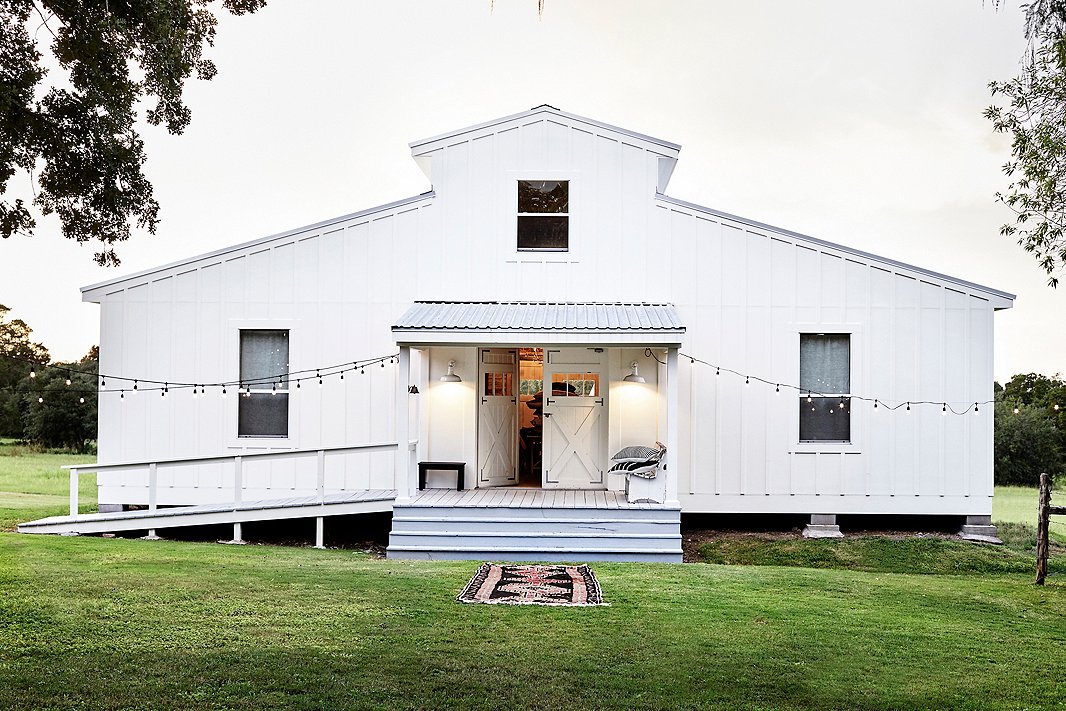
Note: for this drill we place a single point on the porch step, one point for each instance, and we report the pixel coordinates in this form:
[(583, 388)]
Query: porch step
[(429, 532), (541, 555)]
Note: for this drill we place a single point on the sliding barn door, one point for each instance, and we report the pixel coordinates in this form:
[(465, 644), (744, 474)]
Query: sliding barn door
[(575, 418), (497, 424)]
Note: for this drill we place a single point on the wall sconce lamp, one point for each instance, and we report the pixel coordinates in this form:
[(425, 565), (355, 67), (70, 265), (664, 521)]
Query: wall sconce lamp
[(450, 376), (413, 389), (633, 377)]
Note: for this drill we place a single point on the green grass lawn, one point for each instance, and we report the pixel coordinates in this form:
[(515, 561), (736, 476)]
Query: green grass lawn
[(116, 623), (861, 623), (32, 484)]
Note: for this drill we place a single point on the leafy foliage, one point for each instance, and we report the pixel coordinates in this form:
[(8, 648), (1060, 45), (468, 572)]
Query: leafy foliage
[(61, 409), (1026, 444), (1036, 120), (15, 343), (78, 137)]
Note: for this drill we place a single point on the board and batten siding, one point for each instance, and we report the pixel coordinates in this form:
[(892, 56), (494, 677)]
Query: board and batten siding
[(744, 291), (745, 297), (183, 324)]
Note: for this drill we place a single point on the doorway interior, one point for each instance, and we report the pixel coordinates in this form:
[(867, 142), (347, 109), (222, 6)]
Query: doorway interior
[(530, 416)]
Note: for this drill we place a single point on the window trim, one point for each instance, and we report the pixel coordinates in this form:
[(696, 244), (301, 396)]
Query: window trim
[(509, 191), (857, 380), (232, 374), (520, 215)]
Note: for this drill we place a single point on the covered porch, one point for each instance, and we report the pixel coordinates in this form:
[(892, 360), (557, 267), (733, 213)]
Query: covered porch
[(531, 401)]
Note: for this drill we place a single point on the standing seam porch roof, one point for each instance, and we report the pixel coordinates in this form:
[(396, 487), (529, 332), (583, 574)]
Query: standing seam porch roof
[(539, 315), (486, 318)]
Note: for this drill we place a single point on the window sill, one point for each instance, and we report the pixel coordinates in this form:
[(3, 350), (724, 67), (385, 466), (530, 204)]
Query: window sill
[(825, 448), (258, 443)]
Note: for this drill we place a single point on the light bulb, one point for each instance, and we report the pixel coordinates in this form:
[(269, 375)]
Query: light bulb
[(33, 373), (777, 388), (944, 409), (81, 401), (747, 380), (40, 400), (908, 407), (68, 381), (1015, 410)]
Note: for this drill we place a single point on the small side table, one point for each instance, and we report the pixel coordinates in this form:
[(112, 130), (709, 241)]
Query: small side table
[(458, 467)]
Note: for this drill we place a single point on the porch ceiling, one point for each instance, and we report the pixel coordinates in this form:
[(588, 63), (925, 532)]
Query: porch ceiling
[(547, 323)]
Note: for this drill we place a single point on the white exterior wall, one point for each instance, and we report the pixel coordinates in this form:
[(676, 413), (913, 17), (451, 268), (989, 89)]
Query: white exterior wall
[(743, 291)]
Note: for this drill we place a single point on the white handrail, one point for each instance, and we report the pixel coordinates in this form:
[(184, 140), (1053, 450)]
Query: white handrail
[(96, 467), (237, 458)]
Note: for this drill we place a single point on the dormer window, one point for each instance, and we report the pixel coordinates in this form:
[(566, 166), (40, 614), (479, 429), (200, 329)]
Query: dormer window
[(544, 215)]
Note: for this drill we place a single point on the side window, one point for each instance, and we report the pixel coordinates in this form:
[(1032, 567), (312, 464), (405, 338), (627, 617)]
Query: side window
[(263, 403), (544, 215), (825, 379)]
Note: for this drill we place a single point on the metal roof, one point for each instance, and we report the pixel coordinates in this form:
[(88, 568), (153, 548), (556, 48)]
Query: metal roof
[(421, 146), (538, 316), (516, 323)]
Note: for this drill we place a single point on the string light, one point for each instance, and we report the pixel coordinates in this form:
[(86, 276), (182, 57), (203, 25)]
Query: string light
[(68, 382), (40, 400), (81, 401), (33, 373), (278, 383)]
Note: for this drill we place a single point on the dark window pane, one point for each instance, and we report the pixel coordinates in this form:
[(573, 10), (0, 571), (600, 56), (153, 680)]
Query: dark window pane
[(825, 362), (263, 415), (264, 356), (823, 420), (543, 233), (543, 196)]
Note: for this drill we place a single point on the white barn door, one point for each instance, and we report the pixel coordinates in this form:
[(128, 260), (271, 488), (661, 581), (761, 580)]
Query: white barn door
[(497, 428), (575, 419)]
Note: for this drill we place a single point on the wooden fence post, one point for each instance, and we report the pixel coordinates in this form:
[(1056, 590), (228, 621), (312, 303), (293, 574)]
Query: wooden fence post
[(1043, 515)]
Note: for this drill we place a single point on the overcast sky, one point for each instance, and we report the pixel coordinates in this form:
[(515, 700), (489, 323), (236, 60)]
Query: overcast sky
[(857, 123)]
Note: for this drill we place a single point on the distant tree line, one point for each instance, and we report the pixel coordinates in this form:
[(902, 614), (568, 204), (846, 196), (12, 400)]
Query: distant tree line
[(45, 409), (1030, 434)]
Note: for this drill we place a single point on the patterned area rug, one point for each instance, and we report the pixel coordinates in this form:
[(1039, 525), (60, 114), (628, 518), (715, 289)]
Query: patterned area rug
[(533, 585)]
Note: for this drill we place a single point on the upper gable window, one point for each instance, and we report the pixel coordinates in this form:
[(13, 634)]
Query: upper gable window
[(544, 215)]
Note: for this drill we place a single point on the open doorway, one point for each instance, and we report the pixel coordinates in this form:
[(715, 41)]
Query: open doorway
[(530, 415)]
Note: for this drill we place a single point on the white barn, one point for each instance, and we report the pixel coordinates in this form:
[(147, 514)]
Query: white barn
[(546, 252)]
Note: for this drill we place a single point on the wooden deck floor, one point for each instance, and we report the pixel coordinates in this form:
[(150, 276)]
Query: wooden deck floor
[(521, 497)]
